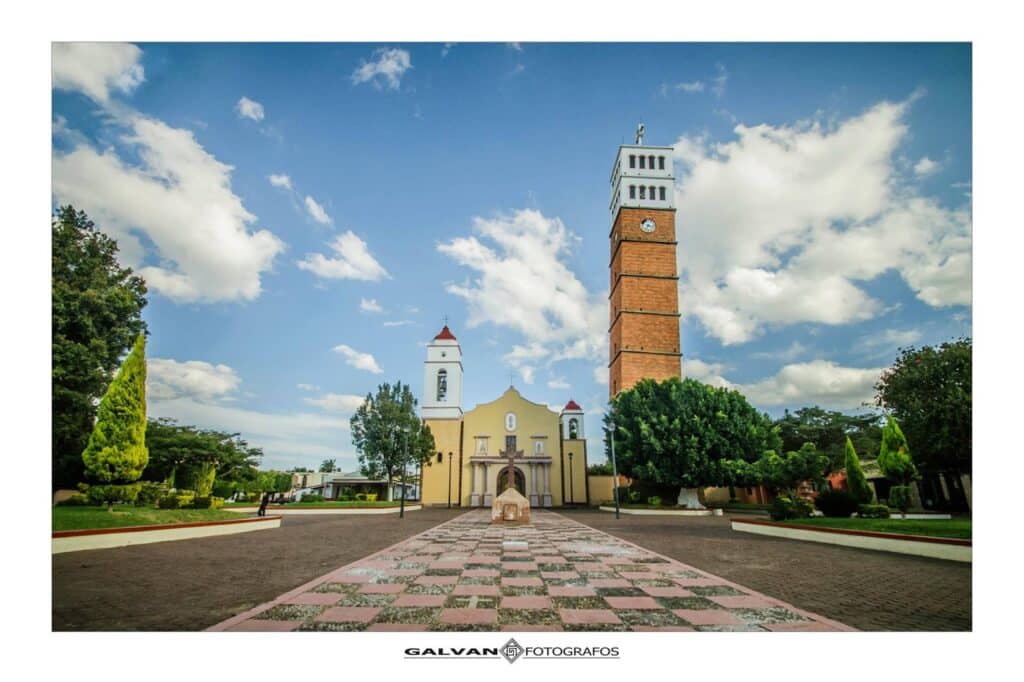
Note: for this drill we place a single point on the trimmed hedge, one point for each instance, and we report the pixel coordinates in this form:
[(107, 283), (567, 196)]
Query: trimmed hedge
[(836, 503), (873, 511), (783, 508)]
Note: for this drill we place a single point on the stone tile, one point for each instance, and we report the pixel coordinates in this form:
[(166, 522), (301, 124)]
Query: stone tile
[(661, 628), (254, 625), (470, 616), (571, 591), (397, 627), (383, 588), (319, 598), (478, 590), (632, 603), (610, 582), (525, 603), (481, 573), (743, 602), (349, 578), (448, 564), (807, 626), (436, 580), (531, 628), (519, 565), (667, 591), (588, 616), (410, 600), (560, 575), (349, 614), (522, 582), (708, 617)]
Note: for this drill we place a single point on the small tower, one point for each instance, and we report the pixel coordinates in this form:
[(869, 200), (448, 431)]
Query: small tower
[(572, 422), (442, 378)]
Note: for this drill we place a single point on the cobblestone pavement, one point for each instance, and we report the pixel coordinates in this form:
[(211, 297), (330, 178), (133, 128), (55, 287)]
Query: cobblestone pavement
[(865, 589), (554, 574)]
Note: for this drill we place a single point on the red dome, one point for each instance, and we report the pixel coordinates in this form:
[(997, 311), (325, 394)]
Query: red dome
[(445, 334), (571, 405)]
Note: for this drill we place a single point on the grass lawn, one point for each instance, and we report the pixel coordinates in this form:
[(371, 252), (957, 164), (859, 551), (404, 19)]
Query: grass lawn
[(941, 528), (327, 504), (82, 518)]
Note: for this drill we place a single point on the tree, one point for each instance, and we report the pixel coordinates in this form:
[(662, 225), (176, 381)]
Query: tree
[(856, 482), (928, 390), (829, 431), (182, 453), (96, 316), (116, 452), (685, 434), (894, 457), (786, 472), (328, 466), (388, 435)]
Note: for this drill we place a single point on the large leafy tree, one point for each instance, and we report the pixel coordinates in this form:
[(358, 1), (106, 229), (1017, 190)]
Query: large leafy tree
[(188, 455), (387, 433), (683, 433), (116, 452), (328, 466), (787, 471), (829, 431), (97, 314), (928, 391)]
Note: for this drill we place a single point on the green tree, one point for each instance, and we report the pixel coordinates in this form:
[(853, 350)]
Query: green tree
[(328, 466), (928, 390), (786, 472), (829, 431), (388, 435), (685, 434), (857, 483), (96, 316), (116, 452), (894, 456), (181, 453)]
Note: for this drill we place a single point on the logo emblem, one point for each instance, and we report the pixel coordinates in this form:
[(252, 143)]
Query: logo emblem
[(512, 650)]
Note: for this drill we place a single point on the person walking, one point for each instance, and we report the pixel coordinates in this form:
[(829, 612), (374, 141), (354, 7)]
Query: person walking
[(263, 504)]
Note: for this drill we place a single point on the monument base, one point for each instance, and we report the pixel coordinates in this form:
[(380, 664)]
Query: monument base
[(510, 508)]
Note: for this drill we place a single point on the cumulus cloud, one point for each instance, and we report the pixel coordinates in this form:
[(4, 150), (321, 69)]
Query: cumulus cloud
[(782, 224), (96, 69), (282, 181), (168, 379), (370, 305), (559, 383), (926, 167), (179, 197), (601, 375), (306, 387), (521, 281), (385, 69), (316, 211), (352, 260), (527, 373), (688, 88), (397, 323), (354, 358), (337, 402), (247, 108)]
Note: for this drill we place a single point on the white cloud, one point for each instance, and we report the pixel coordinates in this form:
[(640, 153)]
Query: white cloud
[(397, 323), (601, 375), (180, 198), (306, 387), (801, 215), (559, 383), (337, 402), (893, 337), (316, 211), (353, 261), (720, 80), (926, 167), (370, 305), (708, 373), (388, 67), (168, 379), (446, 49), (819, 382), (282, 181), (688, 88), (96, 69), (354, 358), (527, 372), (788, 354), (247, 108), (515, 46), (522, 282)]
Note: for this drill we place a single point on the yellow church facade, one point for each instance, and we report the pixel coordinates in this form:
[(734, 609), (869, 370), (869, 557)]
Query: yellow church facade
[(547, 449)]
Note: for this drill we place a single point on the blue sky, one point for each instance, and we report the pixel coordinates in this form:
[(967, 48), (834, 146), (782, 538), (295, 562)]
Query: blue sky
[(307, 214)]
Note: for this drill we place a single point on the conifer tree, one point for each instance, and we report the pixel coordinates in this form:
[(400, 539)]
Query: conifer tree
[(117, 452), (857, 483), (894, 457)]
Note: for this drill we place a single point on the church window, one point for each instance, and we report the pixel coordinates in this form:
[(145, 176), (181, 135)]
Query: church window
[(643, 192), (632, 160), (642, 159), (538, 447), (661, 163), (650, 160), (510, 443), (440, 457), (661, 193), (442, 385), (652, 192), (574, 428), (481, 446), (632, 191)]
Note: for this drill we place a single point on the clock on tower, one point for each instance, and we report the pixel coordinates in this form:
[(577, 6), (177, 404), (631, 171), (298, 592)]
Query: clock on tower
[(644, 299)]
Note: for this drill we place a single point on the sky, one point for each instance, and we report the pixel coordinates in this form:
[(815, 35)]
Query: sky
[(307, 216)]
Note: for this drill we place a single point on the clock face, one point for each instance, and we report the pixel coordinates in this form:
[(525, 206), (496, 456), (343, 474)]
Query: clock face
[(647, 225)]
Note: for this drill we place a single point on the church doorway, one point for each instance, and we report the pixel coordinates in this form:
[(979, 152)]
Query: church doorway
[(520, 481)]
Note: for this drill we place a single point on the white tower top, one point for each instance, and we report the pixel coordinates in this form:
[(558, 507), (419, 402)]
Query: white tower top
[(442, 378), (642, 176), (572, 421)]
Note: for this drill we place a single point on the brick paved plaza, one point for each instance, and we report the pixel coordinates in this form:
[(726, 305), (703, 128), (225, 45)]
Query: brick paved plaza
[(553, 574)]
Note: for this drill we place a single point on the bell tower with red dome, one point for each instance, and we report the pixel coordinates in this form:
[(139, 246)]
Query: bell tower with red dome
[(442, 378)]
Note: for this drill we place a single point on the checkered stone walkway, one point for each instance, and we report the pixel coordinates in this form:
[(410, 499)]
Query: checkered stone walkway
[(463, 575)]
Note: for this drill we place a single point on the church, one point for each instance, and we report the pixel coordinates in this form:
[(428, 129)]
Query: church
[(512, 441)]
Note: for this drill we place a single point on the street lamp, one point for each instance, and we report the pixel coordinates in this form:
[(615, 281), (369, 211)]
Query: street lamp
[(615, 469), (449, 480), (572, 495), (405, 457)]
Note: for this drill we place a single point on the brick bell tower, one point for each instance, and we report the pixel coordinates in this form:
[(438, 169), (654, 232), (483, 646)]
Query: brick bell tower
[(643, 337)]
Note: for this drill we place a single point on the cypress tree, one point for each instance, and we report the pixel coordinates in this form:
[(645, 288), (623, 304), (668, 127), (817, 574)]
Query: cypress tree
[(117, 452), (894, 457), (858, 485)]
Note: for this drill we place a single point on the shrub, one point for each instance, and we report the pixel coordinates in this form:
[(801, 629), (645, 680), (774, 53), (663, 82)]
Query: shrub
[(208, 502), (361, 497), (347, 494), (150, 493), (873, 511), (109, 494), (633, 496), (371, 497), (604, 469), (859, 487), (312, 498), (836, 503), (783, 508), (899, 497), (76, 500), (168, 502), (654, 501)]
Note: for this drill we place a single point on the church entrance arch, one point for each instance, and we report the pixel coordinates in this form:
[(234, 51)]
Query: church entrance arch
[(520, 481)]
